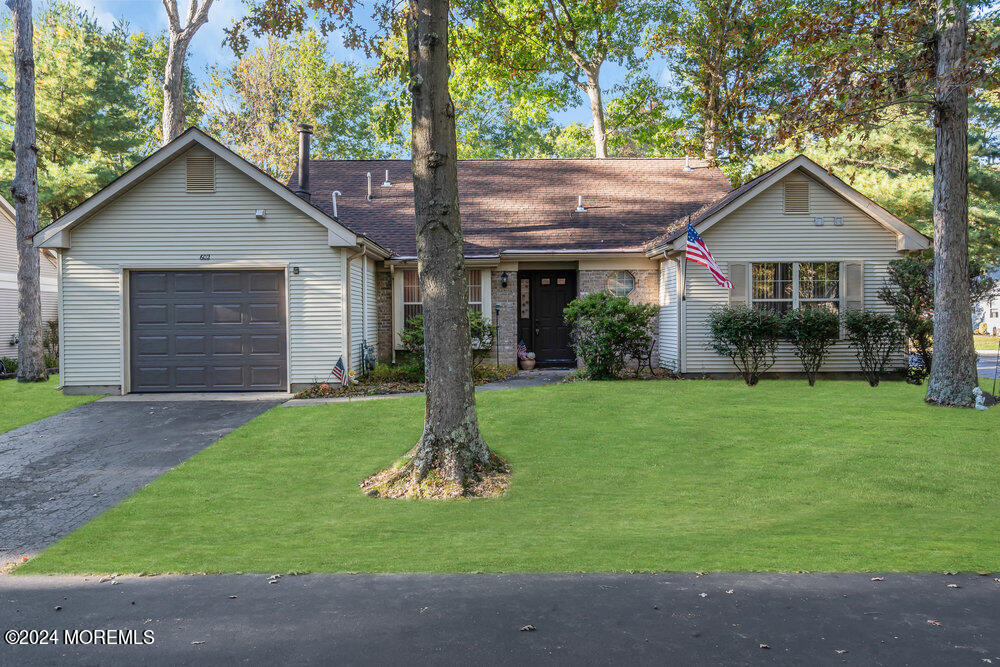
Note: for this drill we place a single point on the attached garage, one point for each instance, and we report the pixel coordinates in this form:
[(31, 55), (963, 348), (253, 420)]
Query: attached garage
[(207, 331)]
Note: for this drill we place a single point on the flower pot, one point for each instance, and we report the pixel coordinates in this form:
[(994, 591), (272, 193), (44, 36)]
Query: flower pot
[(527, 364)]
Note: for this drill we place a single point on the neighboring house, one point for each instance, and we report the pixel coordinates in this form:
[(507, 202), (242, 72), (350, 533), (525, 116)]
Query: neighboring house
[(8, 282), (987, 312), (195, 271)]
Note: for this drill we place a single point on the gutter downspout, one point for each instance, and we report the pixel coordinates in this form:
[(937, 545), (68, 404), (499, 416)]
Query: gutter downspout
[(392, 311)]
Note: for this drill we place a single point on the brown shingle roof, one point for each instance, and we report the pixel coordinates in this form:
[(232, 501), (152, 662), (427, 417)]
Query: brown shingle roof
[(526, 204)]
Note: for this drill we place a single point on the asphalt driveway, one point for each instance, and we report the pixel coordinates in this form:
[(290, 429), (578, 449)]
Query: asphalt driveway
[(813, 619), (58, 473)]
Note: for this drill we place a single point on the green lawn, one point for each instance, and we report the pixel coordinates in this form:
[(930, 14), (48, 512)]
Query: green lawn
[(25, 402), (620, 476), (986, 342)]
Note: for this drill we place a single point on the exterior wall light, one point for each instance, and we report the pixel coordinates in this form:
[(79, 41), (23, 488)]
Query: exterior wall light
[(503, 279)]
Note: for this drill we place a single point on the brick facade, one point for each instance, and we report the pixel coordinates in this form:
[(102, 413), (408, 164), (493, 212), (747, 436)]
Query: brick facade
[(647, 289), (383, 309), (505, 298)]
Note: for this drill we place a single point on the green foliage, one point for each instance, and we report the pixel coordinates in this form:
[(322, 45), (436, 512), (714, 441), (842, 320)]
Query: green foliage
[(874, 337), (9, 365), (412, 338), (94, 118), (909, 289), (607, 330), (254, 105), (482, 332), (747, 336), (403, 372), (811, 331)]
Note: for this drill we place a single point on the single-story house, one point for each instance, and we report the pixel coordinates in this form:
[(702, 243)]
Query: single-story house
[(196, 271), (987, 311), (8, 282)]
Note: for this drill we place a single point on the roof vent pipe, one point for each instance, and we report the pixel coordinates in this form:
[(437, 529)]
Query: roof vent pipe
[(369, 197), (387, 184), (687, 163), (334, 195), (579, 204), (302, 172)]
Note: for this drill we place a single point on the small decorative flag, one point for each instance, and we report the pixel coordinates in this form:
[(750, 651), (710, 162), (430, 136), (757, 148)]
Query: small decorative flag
[(698, 253), (340, 372)]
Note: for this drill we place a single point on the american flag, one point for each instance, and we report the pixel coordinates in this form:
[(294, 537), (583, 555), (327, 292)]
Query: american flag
[(340, 372), (698, 252)]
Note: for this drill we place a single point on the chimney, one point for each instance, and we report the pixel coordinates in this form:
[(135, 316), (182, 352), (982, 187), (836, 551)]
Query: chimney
[(305, 131)]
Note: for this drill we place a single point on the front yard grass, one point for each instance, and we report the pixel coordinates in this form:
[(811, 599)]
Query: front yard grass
[(25, 402), (614, 476), (986, 343)]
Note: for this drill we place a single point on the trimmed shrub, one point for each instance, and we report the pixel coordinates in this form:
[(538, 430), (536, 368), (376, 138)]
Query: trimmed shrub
[(482, 332), (606, 330), (8, 365), (811, 331), (747, 336), (874, 337)]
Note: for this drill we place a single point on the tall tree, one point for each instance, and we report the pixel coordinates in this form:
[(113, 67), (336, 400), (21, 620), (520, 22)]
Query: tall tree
[(93, 119), (860, 62), (255, 105), (24, 189), (173, 72), (451, 452), (567, 39)]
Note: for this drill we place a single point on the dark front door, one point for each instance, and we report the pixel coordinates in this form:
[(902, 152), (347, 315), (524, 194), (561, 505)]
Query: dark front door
[(207, 330), (551, 292)]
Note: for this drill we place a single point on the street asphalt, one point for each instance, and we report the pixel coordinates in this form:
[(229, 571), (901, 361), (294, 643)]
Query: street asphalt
[(814, 619), (60, 472)]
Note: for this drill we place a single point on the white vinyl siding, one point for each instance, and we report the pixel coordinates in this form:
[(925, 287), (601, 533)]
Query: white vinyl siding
[(158, 225), (8, 286), (364, 327), (760, 231), (371, 306), (668, 324)]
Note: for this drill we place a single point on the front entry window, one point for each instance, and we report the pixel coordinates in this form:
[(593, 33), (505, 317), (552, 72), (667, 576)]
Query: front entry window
[(413, 304)]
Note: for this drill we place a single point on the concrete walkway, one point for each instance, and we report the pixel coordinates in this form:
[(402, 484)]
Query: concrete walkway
[(535, 378), (811, 619), (58, 473)]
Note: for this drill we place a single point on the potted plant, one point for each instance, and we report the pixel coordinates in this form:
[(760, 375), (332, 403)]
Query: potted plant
[(527, 359)]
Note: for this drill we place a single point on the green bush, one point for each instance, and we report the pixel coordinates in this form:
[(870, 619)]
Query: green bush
[(9, 364), (606, 330), (481, 331), (409, 371), (747, 336), (874, 337), (811, 331)]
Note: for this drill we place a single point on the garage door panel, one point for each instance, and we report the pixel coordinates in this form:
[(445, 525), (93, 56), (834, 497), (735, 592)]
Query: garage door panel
[(150, 283), (189, 313), (150, 314), (207, 331), (265, 313), (227, 345), (227, 313)]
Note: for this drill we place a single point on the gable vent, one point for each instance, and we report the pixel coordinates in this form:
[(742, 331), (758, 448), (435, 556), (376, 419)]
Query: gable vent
[(796, 197), (201, 173)]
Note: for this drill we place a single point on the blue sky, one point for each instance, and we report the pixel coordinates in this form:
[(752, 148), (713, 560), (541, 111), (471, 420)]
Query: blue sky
[(206, 49)]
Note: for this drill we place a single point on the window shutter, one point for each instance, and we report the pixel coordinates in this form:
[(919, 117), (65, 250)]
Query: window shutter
[(854, 288), (738, 277), (201, 173), (796, 196)]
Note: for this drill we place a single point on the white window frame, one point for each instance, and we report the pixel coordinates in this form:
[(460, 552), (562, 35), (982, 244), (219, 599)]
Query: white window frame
[(398, 303), (796, 300)]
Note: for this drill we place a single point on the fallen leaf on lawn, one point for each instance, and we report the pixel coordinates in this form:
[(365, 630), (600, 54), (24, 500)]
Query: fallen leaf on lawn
[(729, 592), (878, 579), (933, 622), (528, 628)]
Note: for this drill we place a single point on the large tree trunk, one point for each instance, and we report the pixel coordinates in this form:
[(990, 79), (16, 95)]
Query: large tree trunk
[(24, 188), (597, 112), (709, 141), (451, 444), (173, 72), (953, 375)]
